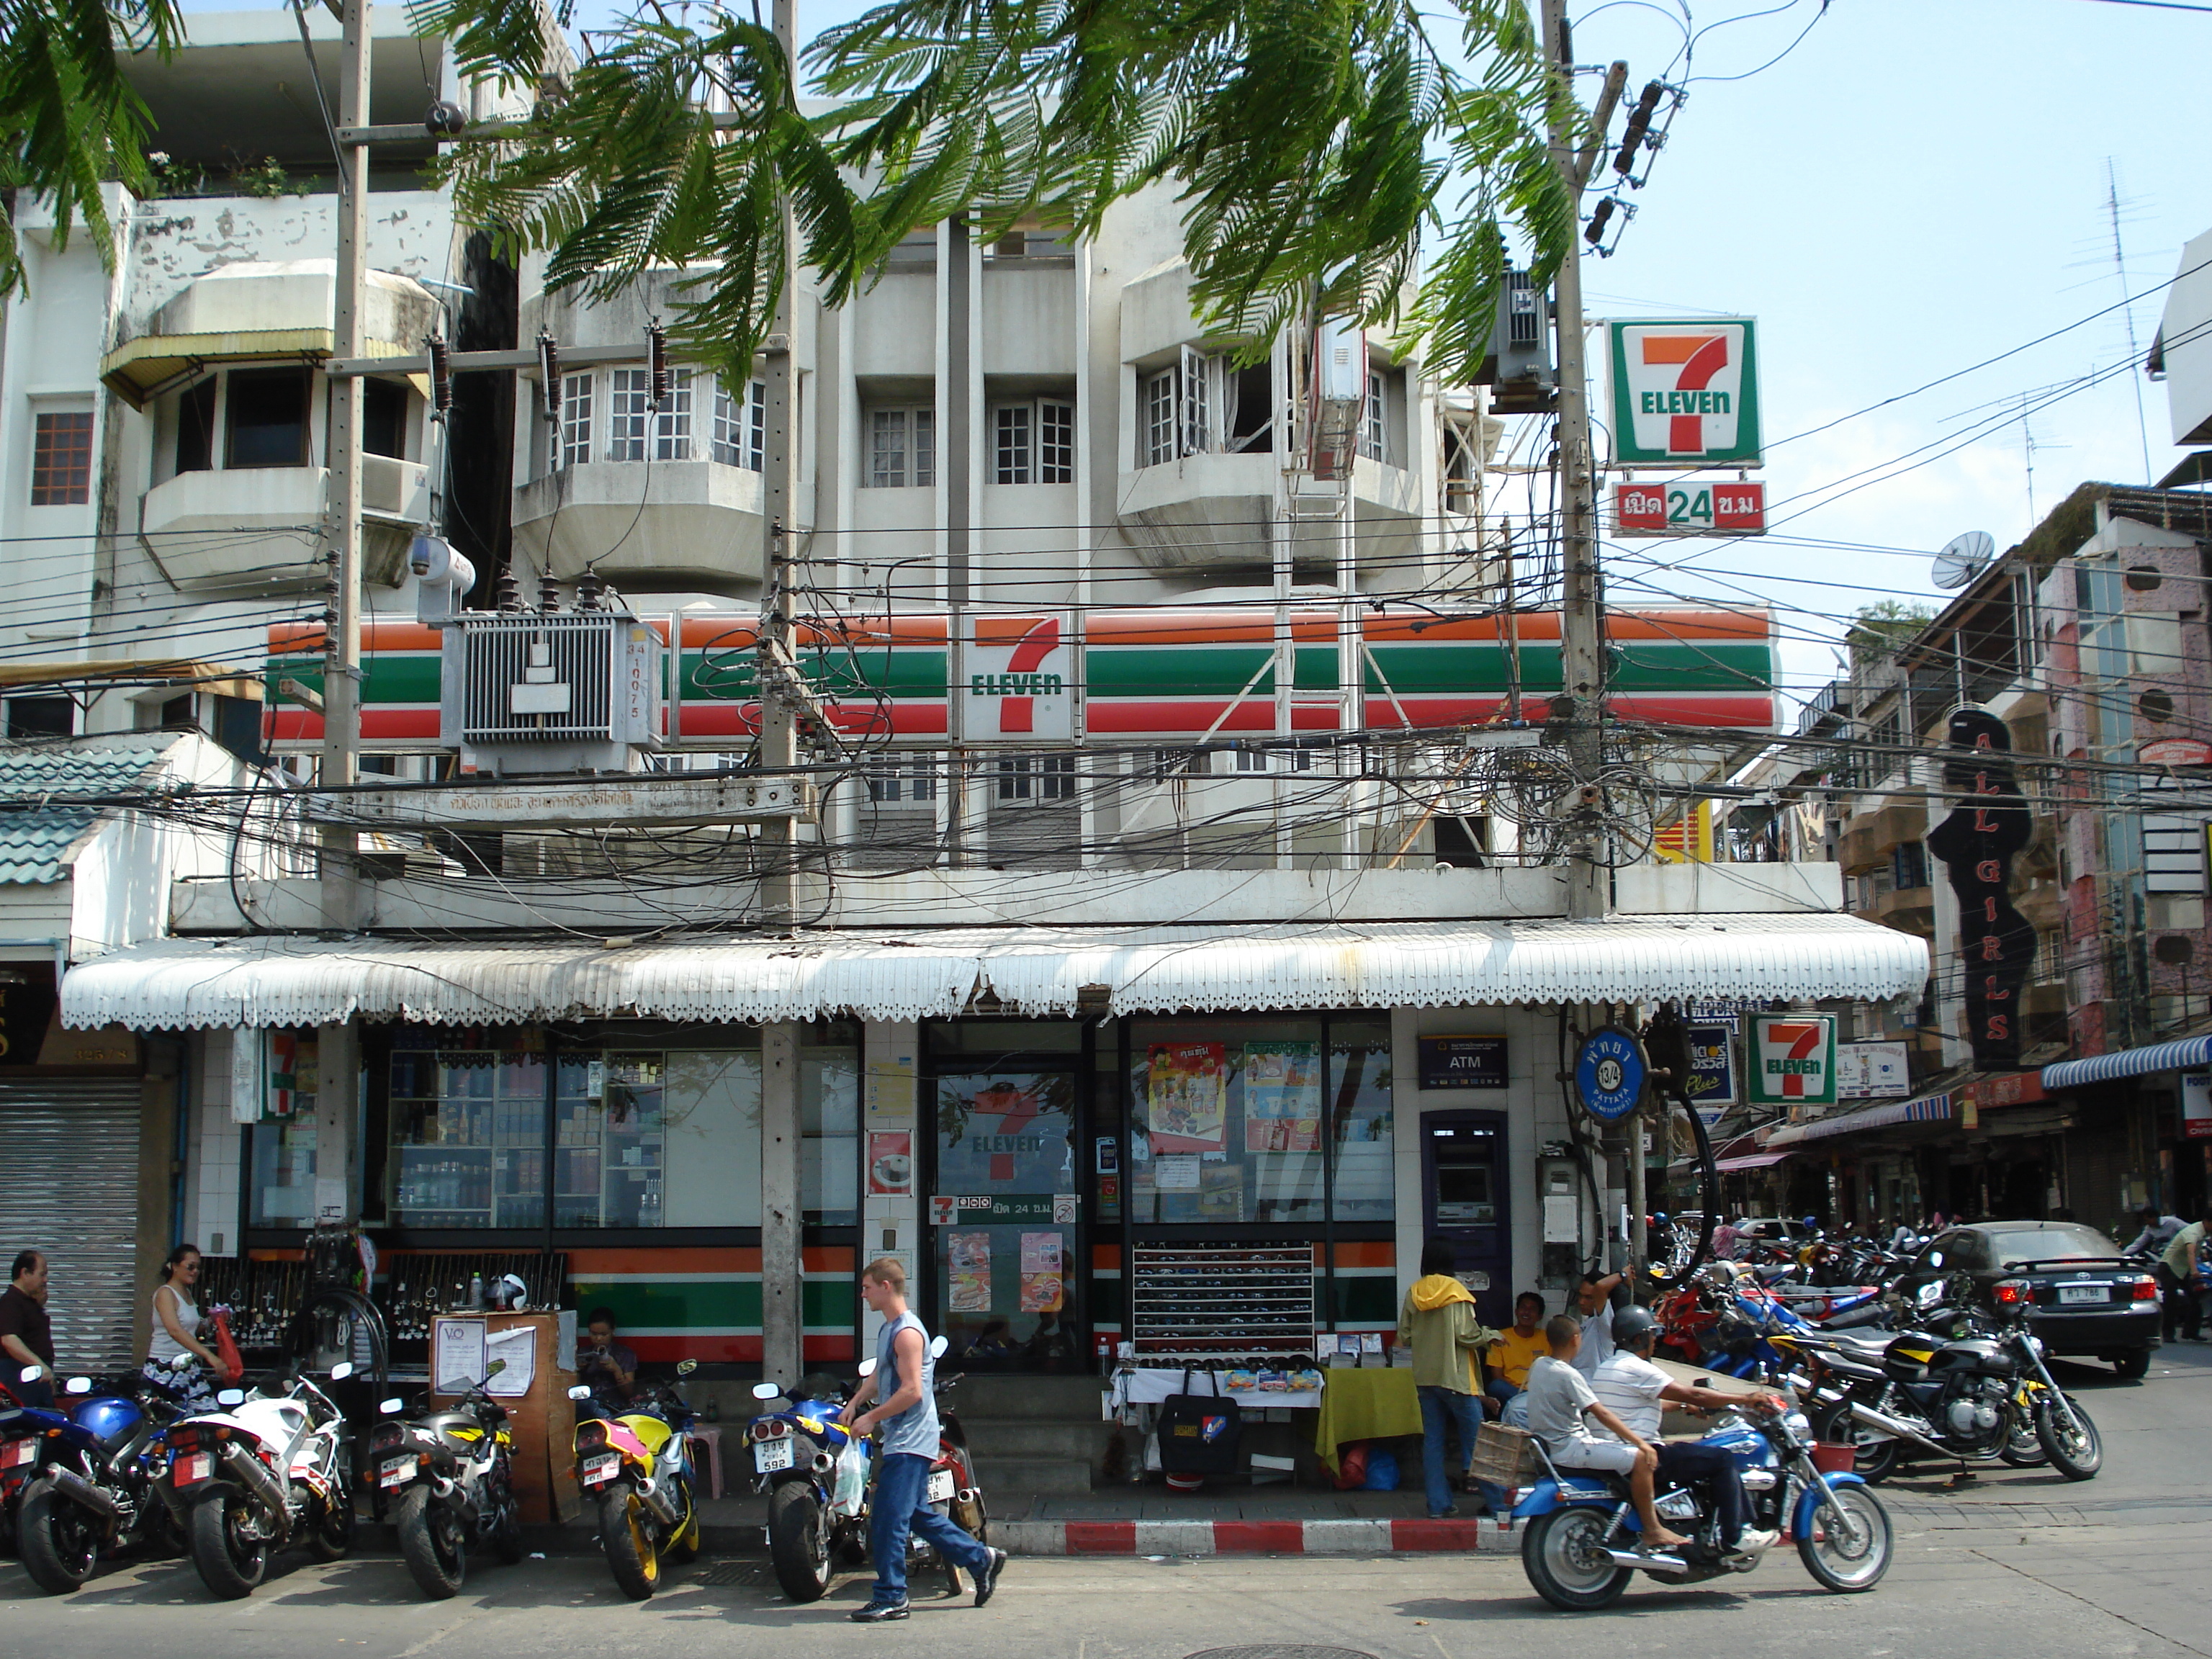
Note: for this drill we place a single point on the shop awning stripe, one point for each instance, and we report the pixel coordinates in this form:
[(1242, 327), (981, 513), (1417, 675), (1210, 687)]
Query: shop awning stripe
[(1749, 1161), (297, 981), (1928, 1108), (2186, 1055)]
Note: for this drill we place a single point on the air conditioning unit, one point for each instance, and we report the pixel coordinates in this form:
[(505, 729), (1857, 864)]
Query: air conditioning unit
[(529, 693)]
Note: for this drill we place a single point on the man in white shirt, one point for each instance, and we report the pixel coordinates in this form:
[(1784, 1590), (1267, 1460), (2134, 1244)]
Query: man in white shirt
[(1559, 1398), (1631, 1388), (1595, 1302)]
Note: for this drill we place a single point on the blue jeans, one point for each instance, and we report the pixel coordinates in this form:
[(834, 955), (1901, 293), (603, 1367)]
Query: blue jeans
[(898, 1508), (1515, 1414), (1438, 1406)]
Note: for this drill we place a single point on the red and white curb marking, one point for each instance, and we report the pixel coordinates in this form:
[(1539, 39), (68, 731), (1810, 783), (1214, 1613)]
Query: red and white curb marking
[(1376, 1537)]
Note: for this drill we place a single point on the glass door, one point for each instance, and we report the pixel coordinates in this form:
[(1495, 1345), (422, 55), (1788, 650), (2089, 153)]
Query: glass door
[(1003, 1217)]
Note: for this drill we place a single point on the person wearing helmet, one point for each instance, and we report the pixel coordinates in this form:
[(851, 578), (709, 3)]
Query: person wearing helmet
[(1630, 1386)]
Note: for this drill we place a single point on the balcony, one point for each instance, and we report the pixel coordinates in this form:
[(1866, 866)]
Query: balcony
[(2044, 907), (702, 528), (1211, 512), (1908, 909), (1874, 835), (258, 529)]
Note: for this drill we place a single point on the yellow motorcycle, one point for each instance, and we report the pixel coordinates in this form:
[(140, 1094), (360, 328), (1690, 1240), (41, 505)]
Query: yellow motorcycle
[(634, 1465)]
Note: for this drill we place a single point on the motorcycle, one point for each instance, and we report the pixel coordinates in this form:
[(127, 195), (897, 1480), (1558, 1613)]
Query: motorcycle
[(82, 1479), (816, 1477), (1579, 1548), (635, 1465), (261, 1473), (1961, 1387), (447, 1480)]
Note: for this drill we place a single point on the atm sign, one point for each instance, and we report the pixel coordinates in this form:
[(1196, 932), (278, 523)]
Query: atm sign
[(1694, 506)]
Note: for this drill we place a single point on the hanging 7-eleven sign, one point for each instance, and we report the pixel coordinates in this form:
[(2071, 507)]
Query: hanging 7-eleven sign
[(1685, 394), (1018, 680), (1793, 1060)]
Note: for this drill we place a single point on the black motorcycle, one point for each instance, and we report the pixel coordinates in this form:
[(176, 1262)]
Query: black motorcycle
[(445, 1480), (1957, 1386)]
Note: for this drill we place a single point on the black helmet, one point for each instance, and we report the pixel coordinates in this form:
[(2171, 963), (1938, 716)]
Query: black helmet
[(1631, 1326)]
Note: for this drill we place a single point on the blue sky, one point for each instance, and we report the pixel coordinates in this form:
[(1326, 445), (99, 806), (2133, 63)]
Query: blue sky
[(1914, 186)]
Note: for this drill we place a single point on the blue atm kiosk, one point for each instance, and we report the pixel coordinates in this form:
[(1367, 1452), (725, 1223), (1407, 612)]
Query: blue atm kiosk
[(1465, 1199)]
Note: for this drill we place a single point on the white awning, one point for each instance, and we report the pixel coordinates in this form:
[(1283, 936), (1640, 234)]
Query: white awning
[(290, 980)]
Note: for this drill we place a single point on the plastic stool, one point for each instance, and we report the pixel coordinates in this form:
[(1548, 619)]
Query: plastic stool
[(709, 1436)]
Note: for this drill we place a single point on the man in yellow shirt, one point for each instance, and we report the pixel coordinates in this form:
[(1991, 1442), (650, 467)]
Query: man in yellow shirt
[(1509, 1359)]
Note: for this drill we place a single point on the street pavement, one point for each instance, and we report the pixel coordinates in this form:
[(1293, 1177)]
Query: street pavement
[(2014, 1563)]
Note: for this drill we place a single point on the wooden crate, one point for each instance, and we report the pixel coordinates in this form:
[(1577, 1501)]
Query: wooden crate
[(1503, 1457)]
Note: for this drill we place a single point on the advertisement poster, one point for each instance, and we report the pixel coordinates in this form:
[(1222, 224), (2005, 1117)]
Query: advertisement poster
[(1282, 1096), (1186, 1092), (1711, 1084), (1872, 1071), (967, 1263), (1040, 1273), (890, 1162)]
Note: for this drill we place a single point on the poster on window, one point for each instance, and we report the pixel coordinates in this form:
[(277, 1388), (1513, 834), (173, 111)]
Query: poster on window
[(1040, 1273), (890, 1162), (968, 1264), (1282, 1096), (1186, 1092)]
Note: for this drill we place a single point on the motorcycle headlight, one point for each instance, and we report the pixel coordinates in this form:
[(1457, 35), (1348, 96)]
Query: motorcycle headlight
[(1799, 1424)]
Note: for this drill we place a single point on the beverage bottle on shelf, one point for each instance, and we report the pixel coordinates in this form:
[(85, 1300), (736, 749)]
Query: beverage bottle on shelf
[(476, 1290)]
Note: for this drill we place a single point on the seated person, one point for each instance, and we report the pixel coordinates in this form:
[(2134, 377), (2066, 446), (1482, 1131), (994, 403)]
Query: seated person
[(1560, 1401), (603, 1365), (1509, 1358), (1630, 1386)]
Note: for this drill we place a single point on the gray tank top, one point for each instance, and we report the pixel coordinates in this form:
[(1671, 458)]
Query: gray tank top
[(914, 1430)]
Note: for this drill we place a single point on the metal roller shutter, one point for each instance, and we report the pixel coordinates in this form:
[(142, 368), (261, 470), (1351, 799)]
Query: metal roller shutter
[(69, 1148)]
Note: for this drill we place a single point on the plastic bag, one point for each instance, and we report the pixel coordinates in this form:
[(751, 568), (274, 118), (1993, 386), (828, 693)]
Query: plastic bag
[(226, 1346), (852, 1480), (1352, 1466), (1381, 1470)]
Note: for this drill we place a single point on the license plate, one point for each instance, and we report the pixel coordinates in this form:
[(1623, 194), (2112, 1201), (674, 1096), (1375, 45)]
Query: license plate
[(601, 1467), (2076, 1293), (194, 1465), (772, 1455), (940, 1486), (397, 1472)]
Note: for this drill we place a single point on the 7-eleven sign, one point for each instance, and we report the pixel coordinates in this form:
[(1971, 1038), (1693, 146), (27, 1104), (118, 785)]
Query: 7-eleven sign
[(1793, 1060), (1685, 393), (1019, 683)]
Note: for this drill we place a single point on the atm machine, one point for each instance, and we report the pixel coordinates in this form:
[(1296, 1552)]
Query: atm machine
[(1465, 1198)]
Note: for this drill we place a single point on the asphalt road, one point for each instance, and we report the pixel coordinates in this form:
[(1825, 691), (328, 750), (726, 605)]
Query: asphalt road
[(2014, 1563)]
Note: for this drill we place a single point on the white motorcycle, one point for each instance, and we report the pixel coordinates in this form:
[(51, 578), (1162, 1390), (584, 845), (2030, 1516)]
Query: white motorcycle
[(263, 1472)]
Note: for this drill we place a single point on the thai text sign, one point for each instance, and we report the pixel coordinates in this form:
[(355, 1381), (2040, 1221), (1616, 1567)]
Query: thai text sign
[(1685, 393), (1694, 506)]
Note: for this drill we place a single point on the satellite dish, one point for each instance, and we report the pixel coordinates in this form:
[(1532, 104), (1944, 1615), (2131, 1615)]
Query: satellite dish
[(1965, 557)]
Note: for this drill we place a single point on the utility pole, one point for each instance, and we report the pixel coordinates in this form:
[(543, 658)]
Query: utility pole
[(1581, 636), (338, 1047), (782, 1324)]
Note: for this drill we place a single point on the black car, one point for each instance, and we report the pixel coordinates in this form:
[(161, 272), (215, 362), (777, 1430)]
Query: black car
[(2086, 1298)]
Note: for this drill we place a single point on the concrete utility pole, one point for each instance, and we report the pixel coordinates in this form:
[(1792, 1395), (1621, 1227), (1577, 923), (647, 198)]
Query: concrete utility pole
[(1581, 636), (782, 1323), (338, 1047)]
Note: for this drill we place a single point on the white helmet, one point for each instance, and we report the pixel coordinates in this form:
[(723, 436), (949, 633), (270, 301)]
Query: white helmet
[(509, 1294)]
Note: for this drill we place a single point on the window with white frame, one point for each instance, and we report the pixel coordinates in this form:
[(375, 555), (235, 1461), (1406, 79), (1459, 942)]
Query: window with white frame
[(1055, 441), (894, 785), (1163, 427), (573, 437), (1179, 408), (1012, 426), (740, 434), (1371, 423), (671, 433), (1040, 777), (902, 447), (1033, 442), (629, 410)]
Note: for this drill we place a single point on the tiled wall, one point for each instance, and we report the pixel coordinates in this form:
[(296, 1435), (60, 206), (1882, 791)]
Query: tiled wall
[(212, 1205)]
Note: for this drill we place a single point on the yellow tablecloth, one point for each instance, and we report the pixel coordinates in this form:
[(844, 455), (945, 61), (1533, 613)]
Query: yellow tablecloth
[(1370, 1404)]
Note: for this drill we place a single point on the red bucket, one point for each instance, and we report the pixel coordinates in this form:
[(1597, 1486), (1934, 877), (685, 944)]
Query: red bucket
[(1833, 1458)]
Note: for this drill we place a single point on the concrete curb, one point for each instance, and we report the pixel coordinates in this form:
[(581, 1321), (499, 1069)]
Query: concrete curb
[(1374, 1537)]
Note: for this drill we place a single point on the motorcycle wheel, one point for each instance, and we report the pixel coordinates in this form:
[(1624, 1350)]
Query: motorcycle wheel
[(2077, 1452), (507, 1540), (1879, 1454), (2023, 1446), (1567, 1564), (59, 1541), (332, 1536), (431, 1544), (796, 1542), (626, 1535), (230, 1558), (1848, 1566)]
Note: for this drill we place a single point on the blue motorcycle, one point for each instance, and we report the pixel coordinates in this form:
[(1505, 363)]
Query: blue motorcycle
[(1579, 1548), (84, 1477)]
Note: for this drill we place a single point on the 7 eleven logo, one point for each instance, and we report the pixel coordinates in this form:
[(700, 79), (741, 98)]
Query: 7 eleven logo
[(1681, 390), (1020, 680), (1794, 1060)]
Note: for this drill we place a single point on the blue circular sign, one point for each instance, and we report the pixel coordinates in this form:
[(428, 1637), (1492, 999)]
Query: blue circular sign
[(1609, 1074)]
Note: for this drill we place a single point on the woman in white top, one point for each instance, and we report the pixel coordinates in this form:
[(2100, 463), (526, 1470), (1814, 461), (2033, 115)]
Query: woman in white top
[(176, 1330)]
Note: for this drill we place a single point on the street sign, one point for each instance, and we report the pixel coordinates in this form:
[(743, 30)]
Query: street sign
[(1793, 1060), (1694, 506), (1020, 681), (1685, 393), (1609, 1074)]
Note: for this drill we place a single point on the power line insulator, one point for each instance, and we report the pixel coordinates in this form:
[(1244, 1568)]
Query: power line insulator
[(656, 339), (1639, 125), (1598, 222), (441, 374), (445, 119), (549, 369)]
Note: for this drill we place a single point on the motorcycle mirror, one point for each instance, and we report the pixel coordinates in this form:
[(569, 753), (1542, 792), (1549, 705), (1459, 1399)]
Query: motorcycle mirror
[(231, 1397), (494, 1368), (390, 1408), (1929, 1294), (867, 1370), (766, 1390), (78, 1385), (342, 1371), (685, 1367), (938, 1344), (32, 1373), (581, 1391)]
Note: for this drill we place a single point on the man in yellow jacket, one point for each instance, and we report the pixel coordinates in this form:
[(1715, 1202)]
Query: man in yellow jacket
[(1437, 1326)]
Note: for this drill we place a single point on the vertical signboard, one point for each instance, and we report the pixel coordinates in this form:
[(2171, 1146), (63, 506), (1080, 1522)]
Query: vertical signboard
[(1685, 393)]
